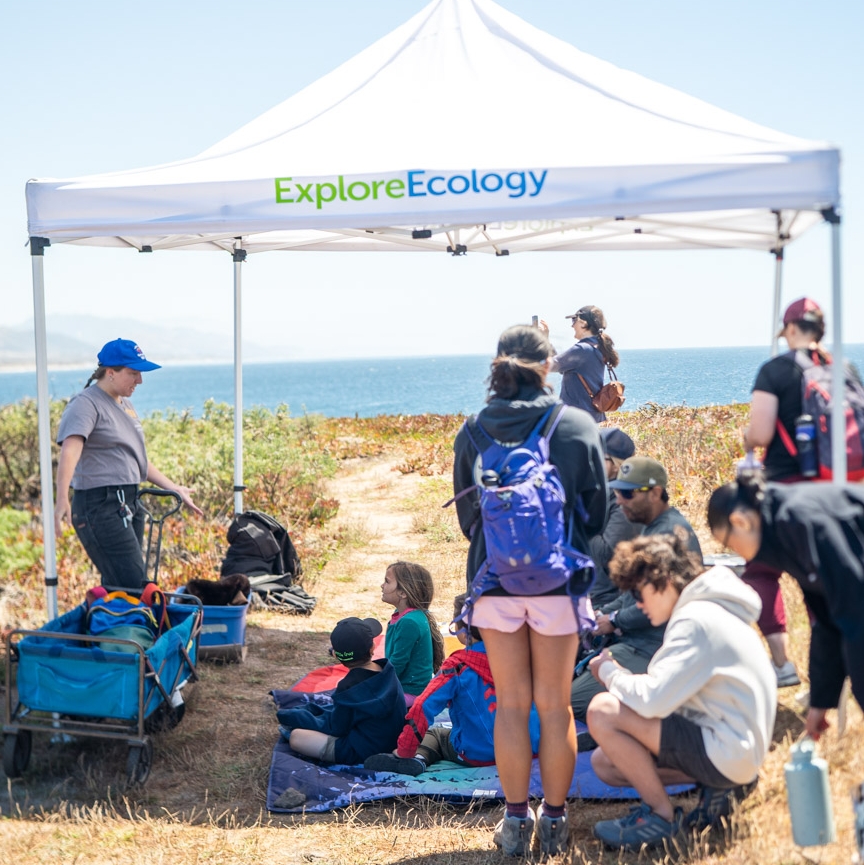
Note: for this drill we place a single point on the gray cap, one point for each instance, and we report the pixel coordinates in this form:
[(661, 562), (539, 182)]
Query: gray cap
[(639, 472)]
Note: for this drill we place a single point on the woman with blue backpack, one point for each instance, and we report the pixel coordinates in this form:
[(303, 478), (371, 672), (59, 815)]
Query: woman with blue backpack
[(530, 487)]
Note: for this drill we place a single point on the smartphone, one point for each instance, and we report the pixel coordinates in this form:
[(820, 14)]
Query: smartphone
[(535, 320)]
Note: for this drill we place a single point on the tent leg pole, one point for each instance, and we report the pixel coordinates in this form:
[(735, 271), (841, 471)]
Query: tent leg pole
[(43, 403), (838, 415), (778, 285), (239, 258)]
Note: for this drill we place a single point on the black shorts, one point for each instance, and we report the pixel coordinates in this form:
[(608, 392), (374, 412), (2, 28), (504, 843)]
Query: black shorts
[(682, 747)]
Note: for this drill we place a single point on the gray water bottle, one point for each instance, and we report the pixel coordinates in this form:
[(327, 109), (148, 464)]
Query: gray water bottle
[(805, 442), (809, 796)]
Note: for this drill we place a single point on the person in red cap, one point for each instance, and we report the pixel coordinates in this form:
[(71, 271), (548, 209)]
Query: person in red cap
[(103, 458), (776, 402)]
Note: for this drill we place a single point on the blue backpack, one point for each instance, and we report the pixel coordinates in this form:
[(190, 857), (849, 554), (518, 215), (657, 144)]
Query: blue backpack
[(522, 501)]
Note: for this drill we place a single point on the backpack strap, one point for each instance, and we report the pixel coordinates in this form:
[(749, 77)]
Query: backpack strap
[(551, 419), (786, 439), (585, 385)]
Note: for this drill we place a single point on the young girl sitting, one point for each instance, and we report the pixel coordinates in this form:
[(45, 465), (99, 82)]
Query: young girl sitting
[(413, 644)]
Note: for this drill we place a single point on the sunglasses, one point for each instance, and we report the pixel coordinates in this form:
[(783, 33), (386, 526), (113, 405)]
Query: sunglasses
[(628, 494), (637, 593)]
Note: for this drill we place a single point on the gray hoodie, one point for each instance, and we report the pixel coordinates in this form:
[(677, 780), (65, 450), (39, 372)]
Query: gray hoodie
[(713, 669)]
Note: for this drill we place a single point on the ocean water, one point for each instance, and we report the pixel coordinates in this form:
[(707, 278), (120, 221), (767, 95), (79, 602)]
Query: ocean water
[(415, 385)]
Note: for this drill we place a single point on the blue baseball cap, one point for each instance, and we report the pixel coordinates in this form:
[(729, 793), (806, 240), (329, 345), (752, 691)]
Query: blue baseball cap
[(124, 352), (616, 443)]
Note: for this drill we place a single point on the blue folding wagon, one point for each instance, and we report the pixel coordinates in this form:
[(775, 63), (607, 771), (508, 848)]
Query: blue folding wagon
[(58, 682)]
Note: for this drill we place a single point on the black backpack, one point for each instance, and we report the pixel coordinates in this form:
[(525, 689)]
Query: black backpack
[(258, 544), (261, 548)]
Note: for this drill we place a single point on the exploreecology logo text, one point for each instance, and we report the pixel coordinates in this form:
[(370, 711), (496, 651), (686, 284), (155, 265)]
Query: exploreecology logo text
[(413, 184)]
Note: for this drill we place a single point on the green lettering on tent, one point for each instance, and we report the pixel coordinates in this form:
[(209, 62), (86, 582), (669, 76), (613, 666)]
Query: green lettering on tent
[(280, 189), (394, 185)]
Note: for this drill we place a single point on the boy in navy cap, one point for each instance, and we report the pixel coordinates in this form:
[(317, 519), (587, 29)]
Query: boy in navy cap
[(368, 709)]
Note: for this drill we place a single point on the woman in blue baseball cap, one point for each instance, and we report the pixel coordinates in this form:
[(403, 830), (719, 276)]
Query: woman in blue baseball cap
[(104, 459)]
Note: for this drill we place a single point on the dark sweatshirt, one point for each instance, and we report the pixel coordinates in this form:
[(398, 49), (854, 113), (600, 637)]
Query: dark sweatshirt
[(574, 449), (366, 717), (815, 532)]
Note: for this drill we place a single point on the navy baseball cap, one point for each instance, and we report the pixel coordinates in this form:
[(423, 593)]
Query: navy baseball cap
[(124, 352), (616, 443), (352, 638)]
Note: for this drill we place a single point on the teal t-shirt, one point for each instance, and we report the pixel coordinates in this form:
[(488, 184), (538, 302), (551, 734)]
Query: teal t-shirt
[(408, 647)]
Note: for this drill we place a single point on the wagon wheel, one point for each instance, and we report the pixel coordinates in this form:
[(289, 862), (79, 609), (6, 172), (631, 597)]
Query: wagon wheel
[(138, 763), (16, 753)]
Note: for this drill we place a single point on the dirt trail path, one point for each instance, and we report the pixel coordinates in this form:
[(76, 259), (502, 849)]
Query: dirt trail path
[(372, 507)]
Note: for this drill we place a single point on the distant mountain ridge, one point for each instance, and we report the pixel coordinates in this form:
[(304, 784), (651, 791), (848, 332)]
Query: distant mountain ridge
[(75, 340)]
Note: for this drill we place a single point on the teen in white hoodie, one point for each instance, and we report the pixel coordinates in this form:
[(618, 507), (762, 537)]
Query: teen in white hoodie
[(704, 710)]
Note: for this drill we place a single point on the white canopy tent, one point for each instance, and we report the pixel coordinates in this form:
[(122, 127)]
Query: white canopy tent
[(464, 130)]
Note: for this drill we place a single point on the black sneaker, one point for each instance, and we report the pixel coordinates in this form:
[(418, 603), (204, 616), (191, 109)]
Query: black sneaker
[(391, 763), (715, 804)]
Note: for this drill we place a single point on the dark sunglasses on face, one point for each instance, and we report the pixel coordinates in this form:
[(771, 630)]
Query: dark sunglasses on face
[(628, 494), (637, 593)]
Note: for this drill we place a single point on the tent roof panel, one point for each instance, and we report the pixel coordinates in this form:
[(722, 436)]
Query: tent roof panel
[(464, 114)]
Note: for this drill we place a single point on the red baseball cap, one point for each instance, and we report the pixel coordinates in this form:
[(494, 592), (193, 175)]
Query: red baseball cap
[(803, 309)]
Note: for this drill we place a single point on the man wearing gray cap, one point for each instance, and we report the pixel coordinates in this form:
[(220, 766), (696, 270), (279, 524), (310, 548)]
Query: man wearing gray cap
[(640, 492)]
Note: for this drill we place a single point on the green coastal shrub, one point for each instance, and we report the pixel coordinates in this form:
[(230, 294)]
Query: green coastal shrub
[(17, 551)]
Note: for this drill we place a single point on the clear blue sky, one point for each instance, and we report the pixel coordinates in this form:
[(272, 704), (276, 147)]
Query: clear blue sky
[(97, 86)]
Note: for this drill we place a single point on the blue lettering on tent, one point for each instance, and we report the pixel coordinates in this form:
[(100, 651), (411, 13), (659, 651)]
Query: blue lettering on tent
[(464, 180), (435, 191), (486, 187), (413, 184), (538, 182), (516, 183)]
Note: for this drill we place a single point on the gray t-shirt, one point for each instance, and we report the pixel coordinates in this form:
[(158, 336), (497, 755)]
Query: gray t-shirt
[(666, 522), (114, 452)]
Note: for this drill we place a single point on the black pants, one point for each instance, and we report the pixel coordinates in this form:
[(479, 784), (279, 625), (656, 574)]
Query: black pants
[(114, 548)]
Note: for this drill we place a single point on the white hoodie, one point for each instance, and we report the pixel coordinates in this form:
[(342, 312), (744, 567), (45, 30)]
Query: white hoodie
[(713, 669)]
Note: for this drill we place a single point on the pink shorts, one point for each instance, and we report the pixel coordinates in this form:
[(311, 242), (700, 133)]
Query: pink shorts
[(549, 615)]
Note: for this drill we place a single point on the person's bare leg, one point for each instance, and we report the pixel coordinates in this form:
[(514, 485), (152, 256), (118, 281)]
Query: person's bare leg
[(778, 646), (510, 662), (552, 660), (308, 742), (627, 746)]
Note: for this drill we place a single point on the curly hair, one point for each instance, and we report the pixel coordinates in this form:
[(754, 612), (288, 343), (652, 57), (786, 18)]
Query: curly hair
[(656, 559), (416, 582)]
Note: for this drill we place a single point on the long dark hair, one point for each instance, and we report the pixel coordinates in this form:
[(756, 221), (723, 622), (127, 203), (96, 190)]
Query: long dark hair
[(595, 321), (520, 360), (748, 493), (416, 582)]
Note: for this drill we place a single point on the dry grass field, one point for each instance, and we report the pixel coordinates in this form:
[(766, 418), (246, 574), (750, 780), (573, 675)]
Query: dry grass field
[(205, 799)]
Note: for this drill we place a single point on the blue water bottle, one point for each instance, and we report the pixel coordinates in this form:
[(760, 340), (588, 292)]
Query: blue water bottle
[(805, 441), (809, 796)]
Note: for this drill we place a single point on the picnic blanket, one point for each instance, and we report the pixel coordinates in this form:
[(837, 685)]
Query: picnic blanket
[(299, 784)]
